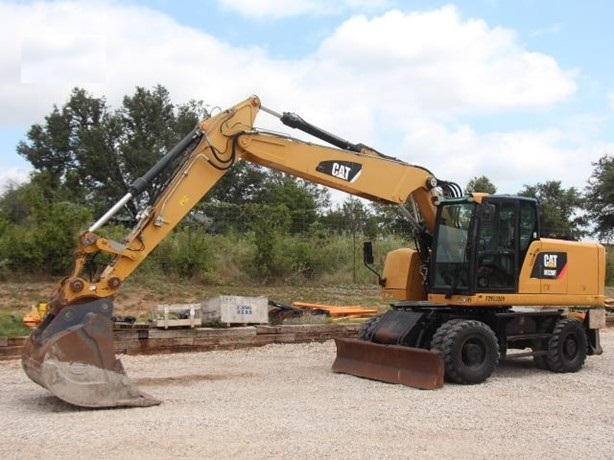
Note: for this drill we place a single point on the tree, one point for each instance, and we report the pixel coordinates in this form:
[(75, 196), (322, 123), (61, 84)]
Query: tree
[(37, 234), (56, 149), (301, 198), (480, 184), (390, 220), (90, 155), (560, 209), (599, 198), (240, 184)]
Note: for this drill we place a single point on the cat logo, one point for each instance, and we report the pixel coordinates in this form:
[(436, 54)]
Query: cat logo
[(550, 265), (340, 171), (550, 260), (344, 170)]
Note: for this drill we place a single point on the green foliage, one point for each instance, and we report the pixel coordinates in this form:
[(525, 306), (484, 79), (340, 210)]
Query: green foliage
[(56, 235), (88, 154), (354, 216), (298, 197), (480, 184), (271, 223), (388, 220), (255, 225), (187, 254), (599, 198), (240, 184), (560, 209), (12, 326), (38, 232)]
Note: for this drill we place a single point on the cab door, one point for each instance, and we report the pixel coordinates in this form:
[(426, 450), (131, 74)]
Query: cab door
[(497, 246)]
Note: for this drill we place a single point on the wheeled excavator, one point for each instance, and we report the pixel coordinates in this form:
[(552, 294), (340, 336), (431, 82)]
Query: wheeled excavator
[(461, 299)]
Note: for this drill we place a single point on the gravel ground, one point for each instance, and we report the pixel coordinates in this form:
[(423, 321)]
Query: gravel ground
[(283, 402)]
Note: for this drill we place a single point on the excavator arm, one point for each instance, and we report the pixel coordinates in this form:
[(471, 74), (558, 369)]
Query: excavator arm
[(71, 352), (213, 147)]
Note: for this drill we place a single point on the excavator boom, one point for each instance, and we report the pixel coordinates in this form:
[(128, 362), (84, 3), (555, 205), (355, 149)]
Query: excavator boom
[(71, 352)]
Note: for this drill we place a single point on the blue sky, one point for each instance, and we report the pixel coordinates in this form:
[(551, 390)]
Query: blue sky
[(520, 91)]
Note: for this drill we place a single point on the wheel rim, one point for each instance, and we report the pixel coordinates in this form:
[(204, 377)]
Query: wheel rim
[(570, 347), (473, 353)]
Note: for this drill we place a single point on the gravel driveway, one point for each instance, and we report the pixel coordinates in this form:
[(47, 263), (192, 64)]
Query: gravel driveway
[(283, 402)]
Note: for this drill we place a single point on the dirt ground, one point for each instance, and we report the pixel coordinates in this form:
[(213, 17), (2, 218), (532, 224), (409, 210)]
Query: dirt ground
[(283, 402), (139, 294)]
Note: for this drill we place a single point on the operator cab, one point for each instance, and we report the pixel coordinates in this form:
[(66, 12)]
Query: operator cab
[(480, 243)]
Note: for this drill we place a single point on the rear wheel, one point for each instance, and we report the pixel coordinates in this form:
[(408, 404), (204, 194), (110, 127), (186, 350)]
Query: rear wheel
[(567, 347), (469, 349)]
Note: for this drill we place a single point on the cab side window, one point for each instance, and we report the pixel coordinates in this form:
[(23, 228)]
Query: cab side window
[(496, 255), (528, 230)]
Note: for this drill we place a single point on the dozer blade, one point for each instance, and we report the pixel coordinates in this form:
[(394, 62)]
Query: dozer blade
[(413, 367), (72, 356)]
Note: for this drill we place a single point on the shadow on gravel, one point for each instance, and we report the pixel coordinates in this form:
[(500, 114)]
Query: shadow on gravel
[(41, 403), (517, 368), (48, 403), (188, 379)]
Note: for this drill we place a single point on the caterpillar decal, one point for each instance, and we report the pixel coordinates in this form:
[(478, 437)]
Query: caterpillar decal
[(346, 170), (550, 265)]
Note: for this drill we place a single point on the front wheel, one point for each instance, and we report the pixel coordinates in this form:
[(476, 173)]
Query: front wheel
[(469, 349), (568, 346), (368, 328)]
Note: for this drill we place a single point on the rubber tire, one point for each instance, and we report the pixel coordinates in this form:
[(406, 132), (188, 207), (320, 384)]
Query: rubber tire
[(365, 332), (540, 361), (568, 346), (455, 339)]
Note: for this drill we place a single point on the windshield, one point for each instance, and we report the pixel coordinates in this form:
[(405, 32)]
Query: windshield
[(451, 264)]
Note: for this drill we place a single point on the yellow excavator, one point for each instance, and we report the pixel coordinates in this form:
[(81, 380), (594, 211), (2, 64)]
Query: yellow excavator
[(461, 299)]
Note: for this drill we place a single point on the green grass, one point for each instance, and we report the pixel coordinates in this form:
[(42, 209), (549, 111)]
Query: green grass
[(12, 326)]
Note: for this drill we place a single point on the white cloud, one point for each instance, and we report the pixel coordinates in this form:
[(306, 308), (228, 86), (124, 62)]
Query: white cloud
[(401, 82), (441, 63), (511, 160), (283, 8), (610, 98), (62, 57), (12, 176)]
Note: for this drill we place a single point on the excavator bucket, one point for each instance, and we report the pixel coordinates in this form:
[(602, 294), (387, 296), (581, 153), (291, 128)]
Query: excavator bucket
[(413, 367), (72, 356)]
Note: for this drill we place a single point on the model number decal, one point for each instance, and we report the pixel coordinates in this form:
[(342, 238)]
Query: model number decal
[(494, 298), (549, 265)]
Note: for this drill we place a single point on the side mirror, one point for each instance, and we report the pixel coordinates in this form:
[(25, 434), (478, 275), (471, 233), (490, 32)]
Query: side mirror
[(368, 259), (367, 253)]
